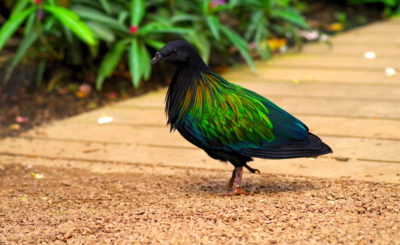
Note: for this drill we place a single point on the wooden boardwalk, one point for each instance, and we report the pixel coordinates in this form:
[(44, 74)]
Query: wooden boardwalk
[(343, 97)]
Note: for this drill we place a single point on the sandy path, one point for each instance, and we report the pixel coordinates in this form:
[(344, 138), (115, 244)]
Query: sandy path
[(139, 204)]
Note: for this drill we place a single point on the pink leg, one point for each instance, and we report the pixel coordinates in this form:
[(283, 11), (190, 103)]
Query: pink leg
[(235, 182)]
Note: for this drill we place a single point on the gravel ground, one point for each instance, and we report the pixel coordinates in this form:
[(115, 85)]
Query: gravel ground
[(168, 205)]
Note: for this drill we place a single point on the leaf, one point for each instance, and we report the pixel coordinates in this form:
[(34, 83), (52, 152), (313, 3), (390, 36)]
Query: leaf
[(72, 21), (110, 62), (291, 16), (29, 24), (138, 8), (391, 3), (214, 24), (155, 44), (201, 43), (254, 21), (261, 35), (101, 31), (267, 4), (171, 30), (49, 23), (134, 62), (145, 62), (74, 50), (18, 7), (21, 51), (154, 27), (95, 15), (205, 6), (234, 3), (184, 17), (8, 29), (68, 34), (240, 44), (106, 6), (122, 16)]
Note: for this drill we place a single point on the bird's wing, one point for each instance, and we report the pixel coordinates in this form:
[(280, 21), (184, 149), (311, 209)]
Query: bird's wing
[(228, 117)]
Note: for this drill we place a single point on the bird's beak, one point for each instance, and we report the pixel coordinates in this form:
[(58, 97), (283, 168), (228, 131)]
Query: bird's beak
[(156, 58)]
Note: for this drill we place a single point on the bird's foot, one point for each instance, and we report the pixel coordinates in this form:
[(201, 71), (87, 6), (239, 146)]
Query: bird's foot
[(235, 182), (252, 170), (236, 192)]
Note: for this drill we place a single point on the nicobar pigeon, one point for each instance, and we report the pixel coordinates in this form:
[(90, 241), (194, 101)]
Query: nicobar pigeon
[(230, 123)]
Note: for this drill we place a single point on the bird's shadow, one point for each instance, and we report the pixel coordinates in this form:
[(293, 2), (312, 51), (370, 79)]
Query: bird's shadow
[(269, 184)]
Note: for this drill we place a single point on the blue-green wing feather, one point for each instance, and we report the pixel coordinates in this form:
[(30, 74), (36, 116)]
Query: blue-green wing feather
[(228, 117)]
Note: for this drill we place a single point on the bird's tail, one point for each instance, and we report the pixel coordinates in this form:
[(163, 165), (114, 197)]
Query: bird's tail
[(311, 147)]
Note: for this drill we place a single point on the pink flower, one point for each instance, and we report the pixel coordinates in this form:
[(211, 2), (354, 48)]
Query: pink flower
[(37, 1), (20, 119), (133, 29), (215, 3)]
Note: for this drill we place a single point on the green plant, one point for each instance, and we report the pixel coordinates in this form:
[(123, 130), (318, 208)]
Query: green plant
[(100, 34), (38, 29), (209, 32), (391, 7), (135, 36), (267, 17)]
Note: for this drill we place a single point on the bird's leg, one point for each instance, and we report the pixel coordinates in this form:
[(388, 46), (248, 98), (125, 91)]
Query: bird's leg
[(252, 170), (235, 182), (232, 179)]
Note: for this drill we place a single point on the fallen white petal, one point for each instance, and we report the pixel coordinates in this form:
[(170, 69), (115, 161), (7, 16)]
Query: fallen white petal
[(104, 120), (390, 71), (370, 55)]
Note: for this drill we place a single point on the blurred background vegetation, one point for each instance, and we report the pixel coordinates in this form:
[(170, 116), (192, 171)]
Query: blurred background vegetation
[(71, 47), (98, 35)]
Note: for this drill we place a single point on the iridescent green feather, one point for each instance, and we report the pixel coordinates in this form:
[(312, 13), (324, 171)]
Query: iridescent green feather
[(226, 114)]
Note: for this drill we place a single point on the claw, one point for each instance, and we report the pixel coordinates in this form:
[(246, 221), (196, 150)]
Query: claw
[(252, 170)]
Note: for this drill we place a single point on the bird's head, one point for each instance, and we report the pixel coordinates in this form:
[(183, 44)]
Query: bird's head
[(175, 52)]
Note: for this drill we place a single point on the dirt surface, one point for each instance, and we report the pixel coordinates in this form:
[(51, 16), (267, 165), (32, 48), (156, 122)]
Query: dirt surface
[(152, 205)]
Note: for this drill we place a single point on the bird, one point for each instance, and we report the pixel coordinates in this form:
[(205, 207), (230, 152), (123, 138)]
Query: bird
[(229, 122)]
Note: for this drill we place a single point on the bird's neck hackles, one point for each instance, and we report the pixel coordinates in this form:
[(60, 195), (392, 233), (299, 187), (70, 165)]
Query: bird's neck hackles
[(183, 82)]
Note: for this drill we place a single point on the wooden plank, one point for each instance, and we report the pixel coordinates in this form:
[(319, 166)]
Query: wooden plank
[(310, 106), (334, 107), (381, 51), (371, 42), (333, 62), (146, 120), (163, 145), (309, 89), (329, 90), (298, 75), (321, 167), (376, 29)]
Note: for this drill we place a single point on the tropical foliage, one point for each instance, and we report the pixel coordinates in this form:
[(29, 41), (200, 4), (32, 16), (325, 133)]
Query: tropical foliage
[(391, 7), (100, 34)]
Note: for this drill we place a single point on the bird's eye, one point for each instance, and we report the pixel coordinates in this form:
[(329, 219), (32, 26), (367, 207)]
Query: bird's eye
[(175, 51)]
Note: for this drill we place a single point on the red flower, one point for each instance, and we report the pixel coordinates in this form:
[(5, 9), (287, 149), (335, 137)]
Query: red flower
[(37, 1), (133, 29)]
